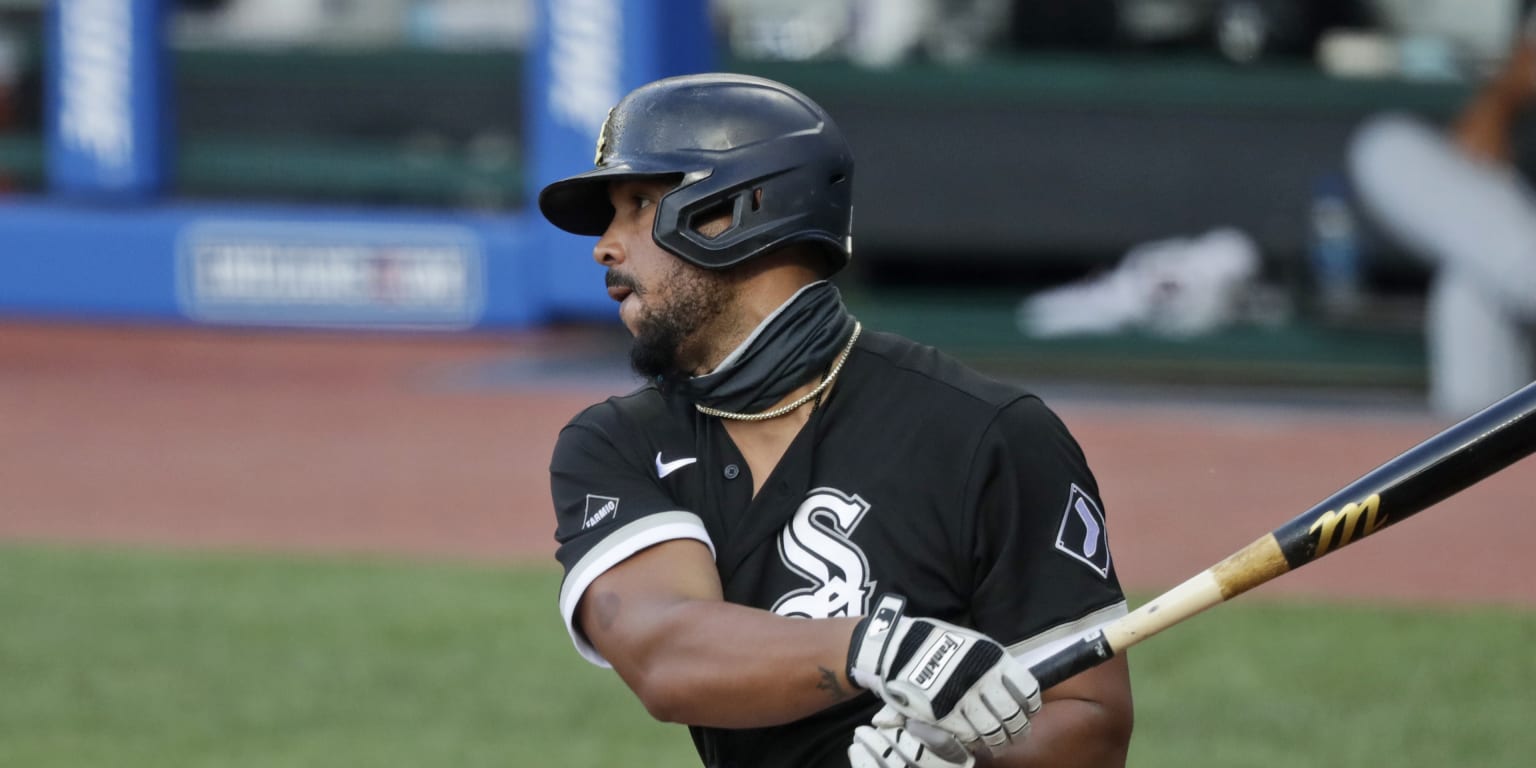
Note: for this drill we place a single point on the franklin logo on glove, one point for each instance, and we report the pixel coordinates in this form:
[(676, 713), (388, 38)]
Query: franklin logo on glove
[(943, 652)]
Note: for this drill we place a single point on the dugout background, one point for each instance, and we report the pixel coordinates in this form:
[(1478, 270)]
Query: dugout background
[(1036, 160)]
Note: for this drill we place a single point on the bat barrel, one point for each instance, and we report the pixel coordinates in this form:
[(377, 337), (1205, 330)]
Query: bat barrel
[(1419, 478)]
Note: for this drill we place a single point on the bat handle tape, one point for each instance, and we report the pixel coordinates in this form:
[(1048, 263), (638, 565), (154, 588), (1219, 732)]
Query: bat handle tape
[(1080, 656)]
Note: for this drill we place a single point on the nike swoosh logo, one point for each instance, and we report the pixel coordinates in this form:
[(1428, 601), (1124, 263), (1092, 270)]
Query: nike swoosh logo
[(664, 468)]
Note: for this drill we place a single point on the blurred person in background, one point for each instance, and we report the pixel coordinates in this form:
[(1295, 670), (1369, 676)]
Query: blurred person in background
[(870, 33), (1456, 199), (20, 80), (279, 23), (795, 521), (10, 90)]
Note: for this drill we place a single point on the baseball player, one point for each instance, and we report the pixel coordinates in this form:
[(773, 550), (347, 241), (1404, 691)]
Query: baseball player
[(813, 543), (1458, 200)]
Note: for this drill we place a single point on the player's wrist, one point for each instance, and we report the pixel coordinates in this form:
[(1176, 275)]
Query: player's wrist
[(867, 644)]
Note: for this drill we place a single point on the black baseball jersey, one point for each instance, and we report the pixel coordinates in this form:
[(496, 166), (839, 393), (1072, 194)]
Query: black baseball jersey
[(916, 476)]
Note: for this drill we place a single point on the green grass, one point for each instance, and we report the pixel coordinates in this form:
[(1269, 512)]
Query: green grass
[(1259, 683), (133, 659), (149, 659)]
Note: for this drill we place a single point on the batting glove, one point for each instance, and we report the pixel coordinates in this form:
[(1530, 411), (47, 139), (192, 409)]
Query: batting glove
[(956, 679), (904, 747)]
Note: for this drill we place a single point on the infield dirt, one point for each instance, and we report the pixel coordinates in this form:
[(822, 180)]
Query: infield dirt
[(432, 446)]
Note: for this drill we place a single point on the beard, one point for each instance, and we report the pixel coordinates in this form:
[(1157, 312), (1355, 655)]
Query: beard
[(668, 346)]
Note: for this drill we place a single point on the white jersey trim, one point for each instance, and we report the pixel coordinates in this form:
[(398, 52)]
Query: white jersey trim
[(1040, 646), (614, 549)]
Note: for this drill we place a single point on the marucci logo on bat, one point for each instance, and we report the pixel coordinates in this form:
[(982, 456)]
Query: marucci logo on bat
[(1349, 516)]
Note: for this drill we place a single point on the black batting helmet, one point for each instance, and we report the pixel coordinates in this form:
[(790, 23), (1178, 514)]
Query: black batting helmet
[(756, 150)]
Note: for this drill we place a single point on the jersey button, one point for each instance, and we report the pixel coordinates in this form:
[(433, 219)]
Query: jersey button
[(731, 471)]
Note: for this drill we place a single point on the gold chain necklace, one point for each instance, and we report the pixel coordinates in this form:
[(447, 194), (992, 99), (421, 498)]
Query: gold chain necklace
[(802, 400)]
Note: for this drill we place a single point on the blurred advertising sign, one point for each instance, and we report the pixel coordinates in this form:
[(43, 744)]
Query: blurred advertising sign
[(108, 108), (585, 55), (331, 275)]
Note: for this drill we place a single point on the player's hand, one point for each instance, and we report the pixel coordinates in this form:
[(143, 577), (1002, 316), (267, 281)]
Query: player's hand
[(901, 747), (957, 679)]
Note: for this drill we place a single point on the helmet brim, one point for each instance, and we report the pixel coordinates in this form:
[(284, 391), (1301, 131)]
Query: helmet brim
[(579, 204)]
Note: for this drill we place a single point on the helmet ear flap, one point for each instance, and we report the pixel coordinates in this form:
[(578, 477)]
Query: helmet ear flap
[(715, 219), (703, 221), (719, 218)]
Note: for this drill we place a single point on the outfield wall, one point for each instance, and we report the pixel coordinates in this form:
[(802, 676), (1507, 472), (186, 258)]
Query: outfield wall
[(1051, 166), (107, 241), (276, 266)]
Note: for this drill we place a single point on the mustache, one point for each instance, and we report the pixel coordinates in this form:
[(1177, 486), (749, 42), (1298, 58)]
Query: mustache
[(613, 279)]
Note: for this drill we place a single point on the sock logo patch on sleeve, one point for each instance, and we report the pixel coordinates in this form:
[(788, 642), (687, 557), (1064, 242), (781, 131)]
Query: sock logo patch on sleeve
[(1081, 535)]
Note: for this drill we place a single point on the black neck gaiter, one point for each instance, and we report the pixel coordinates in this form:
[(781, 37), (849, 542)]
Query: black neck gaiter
[(792, 346)]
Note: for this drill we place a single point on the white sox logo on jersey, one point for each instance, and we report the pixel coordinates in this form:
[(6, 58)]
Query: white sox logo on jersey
[(815, 545)]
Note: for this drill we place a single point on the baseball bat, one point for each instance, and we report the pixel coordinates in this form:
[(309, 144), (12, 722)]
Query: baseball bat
[(1430, 472)]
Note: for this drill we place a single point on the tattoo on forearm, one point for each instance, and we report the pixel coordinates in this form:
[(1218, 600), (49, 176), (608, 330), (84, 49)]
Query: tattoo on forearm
[(832, 684), (605, 608)]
